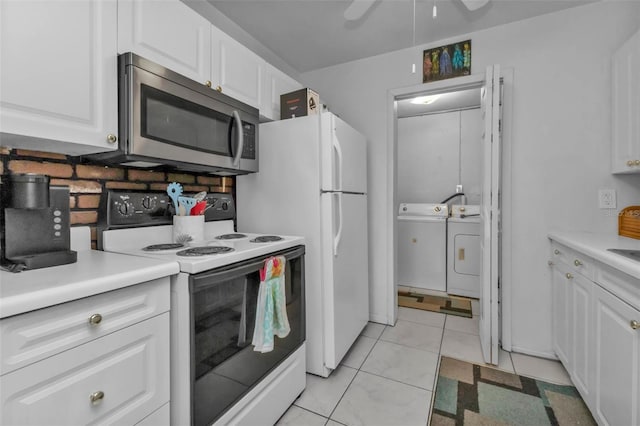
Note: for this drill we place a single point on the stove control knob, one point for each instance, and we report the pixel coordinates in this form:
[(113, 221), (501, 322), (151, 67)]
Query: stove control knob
[(148, 203), (225, 206), (125, 208)]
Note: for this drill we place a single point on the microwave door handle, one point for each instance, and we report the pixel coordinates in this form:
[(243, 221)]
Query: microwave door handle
[(240, 142)]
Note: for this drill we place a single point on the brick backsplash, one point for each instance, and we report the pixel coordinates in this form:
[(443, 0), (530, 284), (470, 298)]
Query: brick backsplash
[(87, 182)]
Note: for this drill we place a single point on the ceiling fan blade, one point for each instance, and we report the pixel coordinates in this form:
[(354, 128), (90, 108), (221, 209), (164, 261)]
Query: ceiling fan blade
[(474, 4), (357, 9)]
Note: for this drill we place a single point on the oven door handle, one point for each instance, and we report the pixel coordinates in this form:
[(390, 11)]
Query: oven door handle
[(206, 280), (239, 140)]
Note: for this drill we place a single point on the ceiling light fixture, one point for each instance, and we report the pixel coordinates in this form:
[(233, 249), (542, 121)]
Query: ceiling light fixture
[(425, 100)]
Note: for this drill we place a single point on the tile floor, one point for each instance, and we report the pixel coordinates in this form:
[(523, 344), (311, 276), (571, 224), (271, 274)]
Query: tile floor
[(388, 376)]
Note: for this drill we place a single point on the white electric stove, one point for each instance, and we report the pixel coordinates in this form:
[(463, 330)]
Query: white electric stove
[(216, 377)]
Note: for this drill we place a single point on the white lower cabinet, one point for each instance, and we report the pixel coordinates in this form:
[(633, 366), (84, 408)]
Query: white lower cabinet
[(571, 323), (118, 378), (617, 360), (596, 336)]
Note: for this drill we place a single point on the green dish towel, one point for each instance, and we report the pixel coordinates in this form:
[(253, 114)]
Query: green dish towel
[(271, 313)]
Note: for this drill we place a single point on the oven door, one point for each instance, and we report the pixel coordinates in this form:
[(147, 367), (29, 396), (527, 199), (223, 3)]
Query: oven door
[(224, 365), (178, 124)]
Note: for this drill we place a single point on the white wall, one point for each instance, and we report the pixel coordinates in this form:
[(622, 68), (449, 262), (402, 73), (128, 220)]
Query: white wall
[(436, 152), (560, 140)]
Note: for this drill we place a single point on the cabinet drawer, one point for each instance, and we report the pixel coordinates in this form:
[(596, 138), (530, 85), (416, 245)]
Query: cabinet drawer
[(33, 336), (620, 284), (576, 261), (129, 368)]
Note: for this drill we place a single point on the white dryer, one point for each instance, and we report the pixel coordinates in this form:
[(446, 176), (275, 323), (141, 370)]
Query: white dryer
[(422, 246), (463, 251)]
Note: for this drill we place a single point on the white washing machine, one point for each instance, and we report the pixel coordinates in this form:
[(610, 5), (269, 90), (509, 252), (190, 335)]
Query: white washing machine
[(463, 253), (422, 246)]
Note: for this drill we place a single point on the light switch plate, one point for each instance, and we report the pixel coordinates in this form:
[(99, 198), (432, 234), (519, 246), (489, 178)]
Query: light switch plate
[(607, 198)]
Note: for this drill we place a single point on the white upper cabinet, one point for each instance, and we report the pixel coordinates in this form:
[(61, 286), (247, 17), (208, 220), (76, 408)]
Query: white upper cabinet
[(58, 85), (235, 70), (167, 32), (625, 153), (275, 84)]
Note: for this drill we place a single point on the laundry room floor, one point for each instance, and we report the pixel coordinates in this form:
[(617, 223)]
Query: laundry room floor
[(388, 376)]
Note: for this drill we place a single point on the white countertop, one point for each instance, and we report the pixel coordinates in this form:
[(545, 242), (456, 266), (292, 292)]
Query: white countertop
[(595, 245), (95, 272)]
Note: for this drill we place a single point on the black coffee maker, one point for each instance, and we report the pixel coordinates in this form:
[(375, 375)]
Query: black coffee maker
[(35, 223)]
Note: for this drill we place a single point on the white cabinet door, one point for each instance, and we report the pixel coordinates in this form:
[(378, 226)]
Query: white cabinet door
[(235, 70), (580, 334), (625, 154), (276, 83), (118, 379), (561, 311), (58, 86), (167, 32), (617, 361)]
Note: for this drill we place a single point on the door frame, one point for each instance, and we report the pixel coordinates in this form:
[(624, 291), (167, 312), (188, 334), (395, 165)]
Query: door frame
[(460, 83)]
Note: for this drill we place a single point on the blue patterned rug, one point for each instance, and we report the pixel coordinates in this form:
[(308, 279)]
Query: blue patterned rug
[(470, 395)]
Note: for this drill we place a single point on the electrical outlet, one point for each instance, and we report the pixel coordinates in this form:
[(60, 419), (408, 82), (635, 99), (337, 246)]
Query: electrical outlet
[(607, 198)]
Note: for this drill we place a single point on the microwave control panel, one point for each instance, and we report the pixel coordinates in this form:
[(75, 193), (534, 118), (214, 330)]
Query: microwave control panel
[(249, 134)]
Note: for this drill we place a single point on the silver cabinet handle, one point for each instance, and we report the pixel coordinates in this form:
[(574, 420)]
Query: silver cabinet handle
[(630, 163), (95, 319), (111, 138), (577, 262), (96, 397), (569, 276), (634, 324), (556, 252)]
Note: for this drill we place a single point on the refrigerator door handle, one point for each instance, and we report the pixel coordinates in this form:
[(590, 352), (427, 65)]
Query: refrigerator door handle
[(338, 237), (338, 148)]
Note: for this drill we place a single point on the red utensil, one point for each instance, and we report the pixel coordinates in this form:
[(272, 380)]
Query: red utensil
[(199, 208)]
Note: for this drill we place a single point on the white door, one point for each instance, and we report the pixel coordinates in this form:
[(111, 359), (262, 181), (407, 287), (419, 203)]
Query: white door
[(345, 278), (235, 70), (617, 361), (167, 32), (490, 216), (59, 75), (344, 156)]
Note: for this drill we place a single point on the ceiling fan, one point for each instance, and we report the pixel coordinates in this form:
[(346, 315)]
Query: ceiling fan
[(358, 8)]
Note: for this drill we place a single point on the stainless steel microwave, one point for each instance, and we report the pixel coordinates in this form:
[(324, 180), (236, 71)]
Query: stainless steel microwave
[(168, 119)]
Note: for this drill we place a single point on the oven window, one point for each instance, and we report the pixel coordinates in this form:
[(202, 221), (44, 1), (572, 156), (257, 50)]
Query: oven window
[(174, 120), (225, 366)]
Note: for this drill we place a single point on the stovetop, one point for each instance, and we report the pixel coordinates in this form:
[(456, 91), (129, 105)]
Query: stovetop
[(217, 252)]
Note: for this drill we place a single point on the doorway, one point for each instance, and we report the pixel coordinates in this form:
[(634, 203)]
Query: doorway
[(452, 169)]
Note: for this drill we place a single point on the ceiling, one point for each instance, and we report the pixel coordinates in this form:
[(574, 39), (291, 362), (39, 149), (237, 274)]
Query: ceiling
[(313, 34)]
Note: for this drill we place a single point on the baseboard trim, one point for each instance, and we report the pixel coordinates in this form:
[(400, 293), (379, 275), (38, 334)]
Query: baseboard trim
[(539, 354)]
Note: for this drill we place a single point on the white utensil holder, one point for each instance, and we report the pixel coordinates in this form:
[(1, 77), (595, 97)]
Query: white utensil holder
[(188, 228)]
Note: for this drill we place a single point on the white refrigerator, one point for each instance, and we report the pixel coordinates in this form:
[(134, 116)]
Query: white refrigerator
[(313, 182)]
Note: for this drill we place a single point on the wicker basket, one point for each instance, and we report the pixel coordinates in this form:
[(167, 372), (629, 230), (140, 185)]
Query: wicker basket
[(629, 222)]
